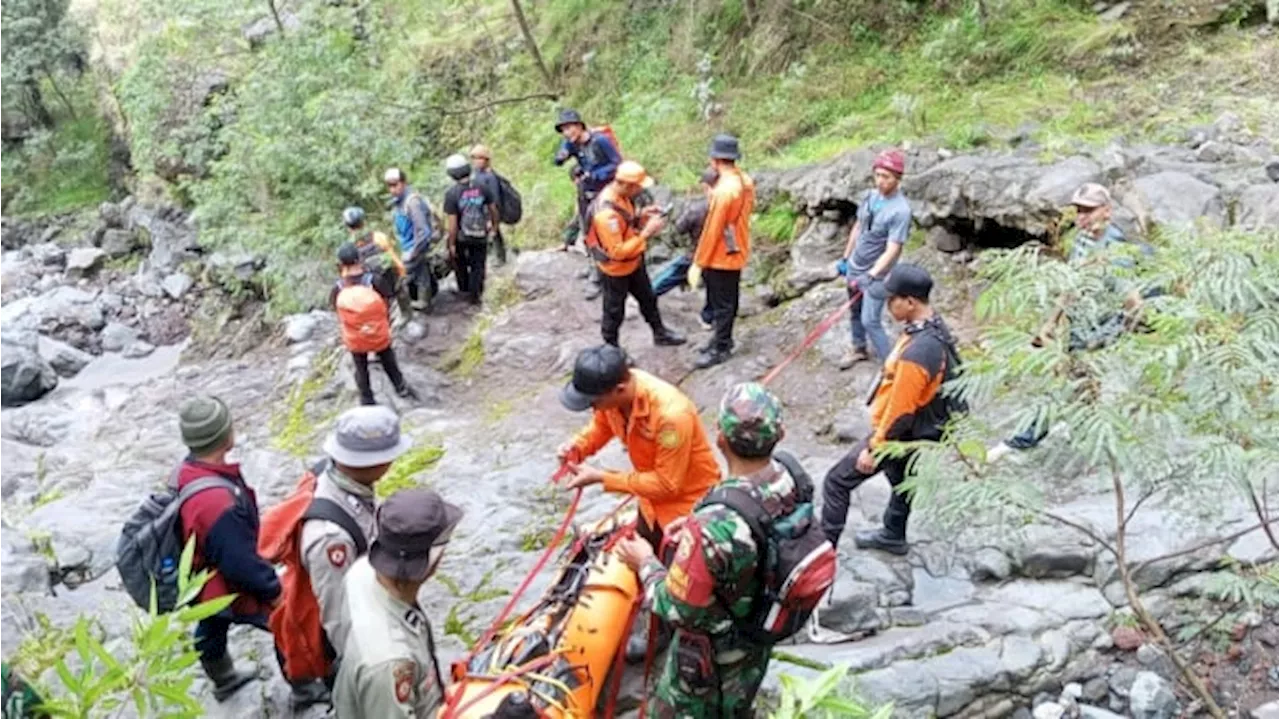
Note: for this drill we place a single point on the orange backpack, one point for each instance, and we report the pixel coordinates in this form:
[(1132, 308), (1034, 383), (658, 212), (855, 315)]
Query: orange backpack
[(362, 314), (295, 620)]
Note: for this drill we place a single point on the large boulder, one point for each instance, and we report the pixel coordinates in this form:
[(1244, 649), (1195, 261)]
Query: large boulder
[(25, 376), (1174, 199), (66, 360), (118, 243), (84, 261), (67, 313), (1258, 207), (170, 232)]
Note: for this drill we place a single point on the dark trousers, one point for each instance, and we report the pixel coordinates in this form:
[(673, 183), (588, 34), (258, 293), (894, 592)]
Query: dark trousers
[(614, 296), (722, 298), (419, 280), (211, 632), (582, 223), (470, 269), (389, 365), (845, 477)]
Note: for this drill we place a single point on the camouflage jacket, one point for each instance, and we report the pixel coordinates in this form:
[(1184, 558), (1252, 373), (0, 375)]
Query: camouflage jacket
[(711, 577)]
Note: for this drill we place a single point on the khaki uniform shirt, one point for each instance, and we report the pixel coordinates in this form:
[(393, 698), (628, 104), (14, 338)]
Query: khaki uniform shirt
[(328, 551), (388, 669)]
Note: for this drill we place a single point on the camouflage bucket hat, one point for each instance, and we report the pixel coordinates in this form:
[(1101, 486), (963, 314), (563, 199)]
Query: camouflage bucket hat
[(751, 418)]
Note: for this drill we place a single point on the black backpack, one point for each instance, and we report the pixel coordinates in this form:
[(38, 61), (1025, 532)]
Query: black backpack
[(949, 402), (510, 206), (795, 563), (150, 545)]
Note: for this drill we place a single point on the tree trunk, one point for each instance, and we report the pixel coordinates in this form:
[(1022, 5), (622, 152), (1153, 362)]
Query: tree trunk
[(275, 15), (71, 111), (36, 110), (1151, 624), (533, 47)]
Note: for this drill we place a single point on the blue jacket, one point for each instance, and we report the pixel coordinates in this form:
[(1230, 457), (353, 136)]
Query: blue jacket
[(599, 160), (412, 217)]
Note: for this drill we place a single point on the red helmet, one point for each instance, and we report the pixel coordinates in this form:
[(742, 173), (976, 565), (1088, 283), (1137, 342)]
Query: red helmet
[(892, 160)]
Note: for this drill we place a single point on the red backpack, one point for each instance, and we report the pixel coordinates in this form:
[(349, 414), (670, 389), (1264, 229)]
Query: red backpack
[(295, 620), (362, 314), (795, 562)]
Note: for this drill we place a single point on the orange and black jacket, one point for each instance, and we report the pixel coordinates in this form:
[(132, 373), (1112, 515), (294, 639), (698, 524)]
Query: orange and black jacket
[(907, 404)]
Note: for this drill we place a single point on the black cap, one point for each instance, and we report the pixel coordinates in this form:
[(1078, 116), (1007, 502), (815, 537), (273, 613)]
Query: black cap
[(597, 370), (411, 523), (724, 147), (348, 255), (568, 117), (908, 280)]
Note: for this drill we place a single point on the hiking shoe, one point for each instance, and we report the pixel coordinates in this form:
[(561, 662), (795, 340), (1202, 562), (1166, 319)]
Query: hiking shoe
[(853, 357), (882, 540), (711, 358), (711, 343), (592, 292), (419, 305), (226, 679), (407, 392), (304, 694), (666, 338), (705, 324)]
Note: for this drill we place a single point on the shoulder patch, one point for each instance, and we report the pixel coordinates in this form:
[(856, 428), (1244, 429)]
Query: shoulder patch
[(668, 438), (403, 674), (615, 225), (688, 579), (337, 554)]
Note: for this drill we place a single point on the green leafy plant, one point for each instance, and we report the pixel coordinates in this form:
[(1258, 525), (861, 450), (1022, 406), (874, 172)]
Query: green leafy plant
[(150, 673), (404, 473), (1170, 398), (293, 429), (820, 698)]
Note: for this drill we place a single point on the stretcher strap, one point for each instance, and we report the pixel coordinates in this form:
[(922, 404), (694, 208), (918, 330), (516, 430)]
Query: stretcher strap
[(813, 336)]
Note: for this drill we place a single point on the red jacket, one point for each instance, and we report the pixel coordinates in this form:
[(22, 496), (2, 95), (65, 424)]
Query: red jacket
[(226, 532)]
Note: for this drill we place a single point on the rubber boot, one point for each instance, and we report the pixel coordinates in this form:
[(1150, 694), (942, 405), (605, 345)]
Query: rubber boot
[(307, 692), (664, 337), (226, 680), (638, 642)]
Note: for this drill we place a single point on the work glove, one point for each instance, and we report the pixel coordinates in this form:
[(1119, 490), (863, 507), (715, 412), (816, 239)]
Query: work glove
[(695, 276), (842, 266)]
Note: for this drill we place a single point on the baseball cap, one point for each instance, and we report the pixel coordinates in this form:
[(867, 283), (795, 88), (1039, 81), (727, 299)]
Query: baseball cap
[(751, 419), (366, 437), (596, 371), (413, 525), (908, 280), (1091, 195)]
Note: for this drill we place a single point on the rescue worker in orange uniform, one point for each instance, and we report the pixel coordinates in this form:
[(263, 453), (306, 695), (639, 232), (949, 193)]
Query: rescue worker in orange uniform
[(616, 240), (673, 465), (724, 246), (672, 462)]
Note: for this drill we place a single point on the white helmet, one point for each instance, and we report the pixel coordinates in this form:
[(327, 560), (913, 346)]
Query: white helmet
[(457, 166)]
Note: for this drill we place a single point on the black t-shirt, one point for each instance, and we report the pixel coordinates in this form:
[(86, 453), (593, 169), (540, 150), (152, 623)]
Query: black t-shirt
[(470, 203)]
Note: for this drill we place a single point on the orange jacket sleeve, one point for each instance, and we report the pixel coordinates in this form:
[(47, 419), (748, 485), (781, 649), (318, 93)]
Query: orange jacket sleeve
[(675, 446), (386, 246), (594, 436), (911, 390), (617, 238), (713, 229)]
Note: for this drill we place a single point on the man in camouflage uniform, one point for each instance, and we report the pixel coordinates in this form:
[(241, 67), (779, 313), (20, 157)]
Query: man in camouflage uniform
[(710, 581)]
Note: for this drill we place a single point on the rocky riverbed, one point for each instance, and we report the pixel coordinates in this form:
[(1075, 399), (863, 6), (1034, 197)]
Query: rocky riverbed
[(984, 623)]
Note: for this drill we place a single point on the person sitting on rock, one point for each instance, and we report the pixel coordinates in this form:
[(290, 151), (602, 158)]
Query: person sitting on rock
[(906, 405), (365, 322), (379, 255), (712, 582), (224, 524), (875, 244), (389, 666), (1095, 235), (688, 225)]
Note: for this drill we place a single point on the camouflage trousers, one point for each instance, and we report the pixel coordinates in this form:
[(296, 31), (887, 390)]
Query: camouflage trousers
[(691, 686)]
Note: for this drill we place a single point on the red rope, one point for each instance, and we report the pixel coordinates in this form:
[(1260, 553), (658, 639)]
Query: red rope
[(813, 336)]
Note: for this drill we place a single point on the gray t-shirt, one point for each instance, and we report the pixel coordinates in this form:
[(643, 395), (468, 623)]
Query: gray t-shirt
[(882, 220)]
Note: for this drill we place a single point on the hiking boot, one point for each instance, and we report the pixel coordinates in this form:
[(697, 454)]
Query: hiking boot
[(666, 338), (592, 291), (882, 540), (308, 693), (226, 680), (711, 343), (711, 358), (853, 357), (407, 392), (704, 324)]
